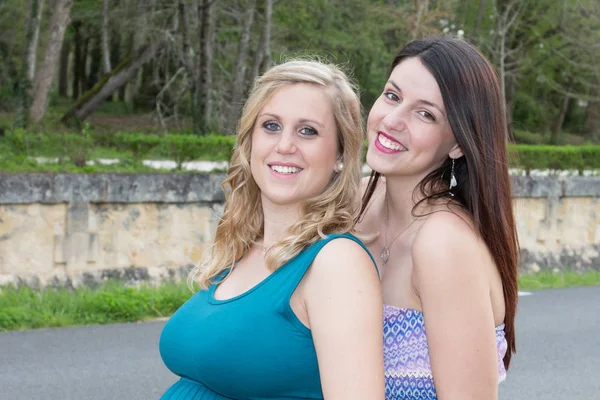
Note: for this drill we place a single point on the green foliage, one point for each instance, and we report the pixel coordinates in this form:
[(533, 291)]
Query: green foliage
[(26, 308), (74, 150), (77, 148), (562, 279), (555, 157), (138, 144), (184, 148), (20, 141)]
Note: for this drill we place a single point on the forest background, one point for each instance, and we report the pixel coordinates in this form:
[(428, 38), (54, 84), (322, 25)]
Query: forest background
[(185, 66)]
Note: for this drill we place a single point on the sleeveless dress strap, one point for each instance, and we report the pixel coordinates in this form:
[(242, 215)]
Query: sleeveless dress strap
[(289, 276), (297, 268)]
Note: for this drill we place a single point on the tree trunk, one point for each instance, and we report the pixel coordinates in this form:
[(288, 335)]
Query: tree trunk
[(262, 56), (482, 4), (83, 71), (105, 40), (43, 79), (237, 84), (266, 63), (509, 99), (206, 51), (27, 75), (63, 69), (422, 10), (591, 124), (592, 121), (139, 36), (558, 123), (90, 100), (77, 61), (95, 61), (189, 63), (37, 7)]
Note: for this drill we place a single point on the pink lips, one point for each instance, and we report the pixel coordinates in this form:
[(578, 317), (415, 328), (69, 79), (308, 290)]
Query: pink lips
[(385, 150)]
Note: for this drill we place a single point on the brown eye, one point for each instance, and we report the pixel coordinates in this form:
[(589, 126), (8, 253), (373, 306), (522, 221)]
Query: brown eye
[(427, 115), (391, 96)]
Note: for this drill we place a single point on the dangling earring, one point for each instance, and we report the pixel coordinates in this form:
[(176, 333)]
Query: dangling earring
[(453, 182), (339, 167)]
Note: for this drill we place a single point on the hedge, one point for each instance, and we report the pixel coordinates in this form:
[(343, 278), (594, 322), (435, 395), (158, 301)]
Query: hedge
[(213, 147), (579, 158)]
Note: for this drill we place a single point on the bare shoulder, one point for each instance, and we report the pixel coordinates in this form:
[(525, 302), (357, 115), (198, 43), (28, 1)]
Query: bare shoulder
[(343, 295), (447, 240)]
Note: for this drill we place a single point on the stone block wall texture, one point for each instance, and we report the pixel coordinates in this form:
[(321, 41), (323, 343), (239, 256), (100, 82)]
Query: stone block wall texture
[(73, 229)]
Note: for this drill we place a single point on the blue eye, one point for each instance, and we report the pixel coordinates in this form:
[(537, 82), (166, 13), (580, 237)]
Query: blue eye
[(308, 131), (271, 126), (391, 96)]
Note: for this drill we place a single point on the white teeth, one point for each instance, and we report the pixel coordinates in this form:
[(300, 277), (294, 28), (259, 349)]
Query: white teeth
[(285, 170), (388, 144)]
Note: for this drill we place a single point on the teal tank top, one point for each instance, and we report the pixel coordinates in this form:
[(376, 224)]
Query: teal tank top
[(251, 346)]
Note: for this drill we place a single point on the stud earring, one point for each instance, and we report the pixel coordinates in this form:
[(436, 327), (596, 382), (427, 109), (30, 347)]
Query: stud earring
[(339, 167)]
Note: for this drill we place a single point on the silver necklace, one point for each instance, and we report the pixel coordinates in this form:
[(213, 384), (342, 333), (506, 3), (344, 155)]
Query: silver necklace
[(385, 252)]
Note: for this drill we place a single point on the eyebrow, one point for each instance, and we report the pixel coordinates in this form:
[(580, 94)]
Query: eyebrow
[(302, 121), (428, 103)]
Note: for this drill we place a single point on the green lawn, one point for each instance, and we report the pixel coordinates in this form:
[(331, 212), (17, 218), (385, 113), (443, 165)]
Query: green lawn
[(25, 308), (550, 280)]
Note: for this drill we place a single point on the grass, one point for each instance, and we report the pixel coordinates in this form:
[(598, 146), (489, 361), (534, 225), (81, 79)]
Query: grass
[(113, 302), (551, 280), (26, 308)]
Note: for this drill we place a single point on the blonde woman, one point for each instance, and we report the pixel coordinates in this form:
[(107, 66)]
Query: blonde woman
[(290, 302)]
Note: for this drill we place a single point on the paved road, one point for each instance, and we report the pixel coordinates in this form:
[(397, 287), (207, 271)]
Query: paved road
[(558, 358)]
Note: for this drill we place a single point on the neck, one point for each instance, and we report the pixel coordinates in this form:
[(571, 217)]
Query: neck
[(277, 218), (400, 199)]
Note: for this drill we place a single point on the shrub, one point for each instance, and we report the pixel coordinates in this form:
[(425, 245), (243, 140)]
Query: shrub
[(138, 144), (555, 157), (184, 148), (76, 147)]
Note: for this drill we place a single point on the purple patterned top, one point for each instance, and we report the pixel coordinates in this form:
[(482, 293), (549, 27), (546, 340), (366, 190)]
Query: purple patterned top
[(406, 355)]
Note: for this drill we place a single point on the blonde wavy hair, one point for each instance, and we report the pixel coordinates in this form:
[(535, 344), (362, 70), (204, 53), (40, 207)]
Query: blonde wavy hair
[(333, 211)]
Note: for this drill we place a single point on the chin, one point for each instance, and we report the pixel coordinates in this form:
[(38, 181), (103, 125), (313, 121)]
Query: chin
[(377, 164)]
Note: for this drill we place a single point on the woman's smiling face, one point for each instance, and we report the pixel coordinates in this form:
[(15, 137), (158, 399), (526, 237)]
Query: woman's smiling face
[(294, 145), (407, 128)]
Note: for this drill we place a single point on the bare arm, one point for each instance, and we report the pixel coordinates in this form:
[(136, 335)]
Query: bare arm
[(451, 277), (345, 311)]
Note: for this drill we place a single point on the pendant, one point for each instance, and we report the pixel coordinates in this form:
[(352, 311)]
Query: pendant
[(385, 254), (452, 181)]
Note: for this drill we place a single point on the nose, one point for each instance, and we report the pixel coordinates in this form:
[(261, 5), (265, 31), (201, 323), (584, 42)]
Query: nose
[(286, 144), (395, 119)]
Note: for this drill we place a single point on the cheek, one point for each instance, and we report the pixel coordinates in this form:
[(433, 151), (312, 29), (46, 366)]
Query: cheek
[(260, 146), (376, 114)]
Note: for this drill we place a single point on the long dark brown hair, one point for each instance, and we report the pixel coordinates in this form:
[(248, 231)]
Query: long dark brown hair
[(475, 109)]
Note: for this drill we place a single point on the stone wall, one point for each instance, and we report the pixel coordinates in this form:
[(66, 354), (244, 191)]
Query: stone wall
[(69, 229)]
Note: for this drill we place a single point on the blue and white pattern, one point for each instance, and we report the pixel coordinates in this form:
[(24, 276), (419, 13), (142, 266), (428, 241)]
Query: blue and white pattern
[(406, 355)]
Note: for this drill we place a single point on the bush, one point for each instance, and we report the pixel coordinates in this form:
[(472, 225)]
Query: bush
[(555, 157), (184, 148), (76, 147), (20, 141), (526, 137), (138, 144)]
